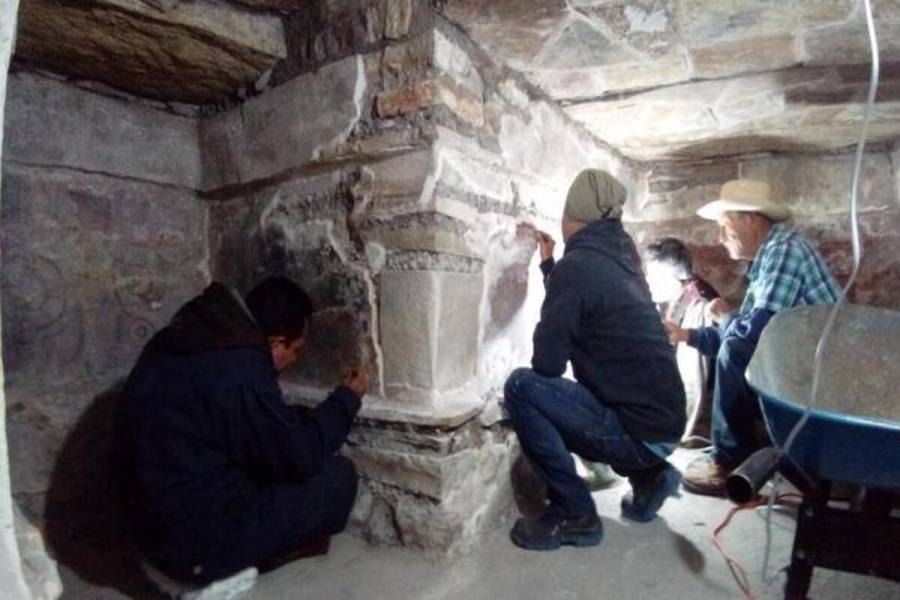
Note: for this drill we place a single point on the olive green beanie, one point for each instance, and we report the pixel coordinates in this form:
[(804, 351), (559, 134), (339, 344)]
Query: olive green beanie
[(595, 195)]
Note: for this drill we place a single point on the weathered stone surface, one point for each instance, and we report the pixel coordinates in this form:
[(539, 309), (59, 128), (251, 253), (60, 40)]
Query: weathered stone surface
[(756, 54), (713, 20), (446, 504), (429, 328), (299, 229), (282, 130), (848, 43), (92, 267), (513, 31), (196, 52), (425, 94), (775, 111), (820, 186), (671, 48), (39, 568), (397, 20), (11, 570), (53, 124)]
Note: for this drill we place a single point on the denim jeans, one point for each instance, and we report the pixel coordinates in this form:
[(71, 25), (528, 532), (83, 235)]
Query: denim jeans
[(554, 417), (737, 418)]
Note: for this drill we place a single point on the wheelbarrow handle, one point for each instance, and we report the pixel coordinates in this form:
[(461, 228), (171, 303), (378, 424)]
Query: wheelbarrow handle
[(745, 481)]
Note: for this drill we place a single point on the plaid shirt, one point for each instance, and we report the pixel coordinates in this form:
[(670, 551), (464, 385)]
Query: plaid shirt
[(788, 271)]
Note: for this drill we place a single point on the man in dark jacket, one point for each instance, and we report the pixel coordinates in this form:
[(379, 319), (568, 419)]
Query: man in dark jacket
[(221, 473), (627, 406)]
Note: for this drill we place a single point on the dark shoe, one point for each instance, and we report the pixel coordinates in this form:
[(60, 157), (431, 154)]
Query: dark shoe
[(705, 476), (648, 493), (550, 531)]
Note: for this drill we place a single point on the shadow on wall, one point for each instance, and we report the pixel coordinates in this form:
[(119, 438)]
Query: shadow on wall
[(85, 528)]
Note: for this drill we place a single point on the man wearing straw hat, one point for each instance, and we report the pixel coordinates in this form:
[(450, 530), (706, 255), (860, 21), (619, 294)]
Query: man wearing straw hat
[(626, 408), (786, 271)]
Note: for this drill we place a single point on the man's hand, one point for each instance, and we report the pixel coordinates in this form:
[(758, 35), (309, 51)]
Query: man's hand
[(676, 334), (357, 380), (716, 310), (546, 244)]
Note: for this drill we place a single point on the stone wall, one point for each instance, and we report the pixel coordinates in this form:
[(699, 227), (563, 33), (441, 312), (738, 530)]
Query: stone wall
[(817, 189), (103, 238), (401, 186), (11, 570)]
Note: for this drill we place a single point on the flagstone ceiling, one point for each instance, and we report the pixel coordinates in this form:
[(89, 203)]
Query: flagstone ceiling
[(663, 79)]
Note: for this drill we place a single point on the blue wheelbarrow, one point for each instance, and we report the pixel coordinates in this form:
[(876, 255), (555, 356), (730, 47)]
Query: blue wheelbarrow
[(851, 440)]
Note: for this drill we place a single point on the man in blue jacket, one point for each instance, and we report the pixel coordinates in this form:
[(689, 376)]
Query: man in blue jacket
[(626, 408), (220, 472), (786, 271)]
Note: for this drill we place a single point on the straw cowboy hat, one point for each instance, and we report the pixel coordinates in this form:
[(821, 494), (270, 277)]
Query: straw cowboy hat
[(745, 195)]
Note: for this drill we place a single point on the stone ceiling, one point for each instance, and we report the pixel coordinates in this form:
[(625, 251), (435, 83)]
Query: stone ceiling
[(196, 51), (657, 79), (688, 79)]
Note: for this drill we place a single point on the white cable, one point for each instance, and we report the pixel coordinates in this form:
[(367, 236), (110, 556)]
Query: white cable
[(832, 315)]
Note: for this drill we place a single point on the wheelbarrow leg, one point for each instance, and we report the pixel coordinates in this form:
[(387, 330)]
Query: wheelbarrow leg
[(799, 573), (799, 576)]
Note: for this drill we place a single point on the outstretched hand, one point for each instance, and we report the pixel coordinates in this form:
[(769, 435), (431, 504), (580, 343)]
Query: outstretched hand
[(546, 244), (357, 380)]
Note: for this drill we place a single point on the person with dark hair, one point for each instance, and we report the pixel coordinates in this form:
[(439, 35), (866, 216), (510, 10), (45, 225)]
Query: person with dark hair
[(683, 297), (221, 474)]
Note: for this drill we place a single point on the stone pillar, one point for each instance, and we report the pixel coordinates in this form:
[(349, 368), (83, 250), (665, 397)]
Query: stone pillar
[(10, 560)]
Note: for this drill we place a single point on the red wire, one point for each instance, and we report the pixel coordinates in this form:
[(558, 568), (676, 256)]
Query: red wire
[(737, 570)]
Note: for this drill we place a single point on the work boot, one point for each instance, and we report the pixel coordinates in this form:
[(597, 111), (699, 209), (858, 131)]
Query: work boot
[(551, 530), (705, 476), (649, 491)]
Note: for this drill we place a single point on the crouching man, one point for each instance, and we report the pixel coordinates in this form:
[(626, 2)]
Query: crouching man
[(221, 473), (627, 407)]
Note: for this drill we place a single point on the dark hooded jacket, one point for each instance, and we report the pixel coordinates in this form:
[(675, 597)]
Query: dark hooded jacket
[(204, 425), (598, 314)]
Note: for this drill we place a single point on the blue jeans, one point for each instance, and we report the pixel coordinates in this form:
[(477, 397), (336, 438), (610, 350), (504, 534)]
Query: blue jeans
[(554, 417), (736, 418)]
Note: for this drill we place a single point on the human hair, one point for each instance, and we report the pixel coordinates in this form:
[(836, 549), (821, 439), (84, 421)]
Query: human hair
[(280, 307), (672, 251)]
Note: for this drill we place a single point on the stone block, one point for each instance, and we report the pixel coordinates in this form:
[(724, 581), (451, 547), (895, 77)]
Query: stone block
[(429, 93), (746, 55), (848, 43), (818, 186), (515, 31), (53, 124), (197, 52), (459, 496), (429, 328), (704, 21), (399, 16), (593, 82), (580, 45), (649, 26), (282, 129), (450, 59)]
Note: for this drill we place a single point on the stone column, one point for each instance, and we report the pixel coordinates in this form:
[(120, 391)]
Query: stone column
[(10, 560)]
